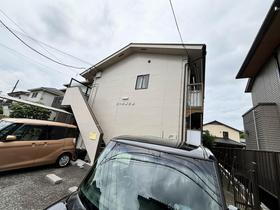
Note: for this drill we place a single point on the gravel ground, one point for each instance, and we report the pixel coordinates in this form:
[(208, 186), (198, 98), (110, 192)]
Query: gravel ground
[(29, 188)]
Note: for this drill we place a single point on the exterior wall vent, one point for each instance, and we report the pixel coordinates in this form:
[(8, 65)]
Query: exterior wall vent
[(98, 74)]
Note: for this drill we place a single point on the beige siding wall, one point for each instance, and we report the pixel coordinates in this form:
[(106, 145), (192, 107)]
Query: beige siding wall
[(217, 130), (155, 111)]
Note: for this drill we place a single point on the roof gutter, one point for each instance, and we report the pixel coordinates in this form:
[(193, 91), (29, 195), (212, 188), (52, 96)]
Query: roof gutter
[(266, 24)]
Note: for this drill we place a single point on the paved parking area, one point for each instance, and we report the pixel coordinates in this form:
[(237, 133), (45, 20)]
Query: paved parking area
[(29, 188)]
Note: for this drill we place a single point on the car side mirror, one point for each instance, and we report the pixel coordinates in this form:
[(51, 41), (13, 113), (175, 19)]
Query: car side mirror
[(11, 138)]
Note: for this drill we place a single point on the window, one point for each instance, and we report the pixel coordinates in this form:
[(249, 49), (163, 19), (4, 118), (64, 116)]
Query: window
[(34, 95), (57, 132), (31, 132), (7, 128), (142, 82), (225, 134)]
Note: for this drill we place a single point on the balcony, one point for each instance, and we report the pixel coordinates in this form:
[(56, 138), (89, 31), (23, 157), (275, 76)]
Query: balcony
[(195, 95)]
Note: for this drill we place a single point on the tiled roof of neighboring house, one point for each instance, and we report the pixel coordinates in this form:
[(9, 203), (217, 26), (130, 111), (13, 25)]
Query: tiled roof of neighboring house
[(215, 122), (263, 47), (228, 142), (53, 91)]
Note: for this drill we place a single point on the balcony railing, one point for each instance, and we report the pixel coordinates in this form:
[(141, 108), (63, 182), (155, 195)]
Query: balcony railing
[(195, 96), (85, 88)]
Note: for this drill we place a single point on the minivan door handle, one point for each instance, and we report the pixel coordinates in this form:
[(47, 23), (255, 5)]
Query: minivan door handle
[(43, 143)]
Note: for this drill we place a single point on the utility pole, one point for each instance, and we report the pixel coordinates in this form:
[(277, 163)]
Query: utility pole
[(15, 86)]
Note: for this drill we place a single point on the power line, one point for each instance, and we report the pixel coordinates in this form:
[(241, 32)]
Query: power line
[(65, 53), (177, 26), (47, 45), (40, 42), (57, 62), (25, 33), (33, 60)]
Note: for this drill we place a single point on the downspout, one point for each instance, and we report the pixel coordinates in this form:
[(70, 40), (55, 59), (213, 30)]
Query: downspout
[(256, 129), (183, 105)]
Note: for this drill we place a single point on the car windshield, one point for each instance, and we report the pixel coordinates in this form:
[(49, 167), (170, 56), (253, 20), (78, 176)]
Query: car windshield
[(128, 177)]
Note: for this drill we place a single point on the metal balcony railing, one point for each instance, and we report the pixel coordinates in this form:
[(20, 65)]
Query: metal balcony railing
[(85, 88), (195, 95)]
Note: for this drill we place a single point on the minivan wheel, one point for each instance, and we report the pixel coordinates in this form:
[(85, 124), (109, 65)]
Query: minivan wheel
[(63, 160)]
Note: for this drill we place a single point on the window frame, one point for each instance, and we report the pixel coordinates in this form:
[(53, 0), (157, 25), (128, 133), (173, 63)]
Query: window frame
[(34, 95), (143, 76), (225, 134)]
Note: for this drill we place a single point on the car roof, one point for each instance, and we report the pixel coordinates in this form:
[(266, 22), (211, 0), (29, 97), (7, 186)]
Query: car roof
[(38, 122), (148, 143)]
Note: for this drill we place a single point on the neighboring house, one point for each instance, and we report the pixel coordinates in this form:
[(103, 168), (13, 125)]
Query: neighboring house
[(145, 90), (262, 68), (16, 94), (44, 95), (19, 94), (222, 131)]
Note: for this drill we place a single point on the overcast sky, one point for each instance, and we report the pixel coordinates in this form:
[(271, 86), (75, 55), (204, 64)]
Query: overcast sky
[(93, 29)]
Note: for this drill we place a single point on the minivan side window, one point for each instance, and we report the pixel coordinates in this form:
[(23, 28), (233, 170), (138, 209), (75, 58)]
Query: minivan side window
[(8, 130), (57, 132), (31, 132), (71, 133)]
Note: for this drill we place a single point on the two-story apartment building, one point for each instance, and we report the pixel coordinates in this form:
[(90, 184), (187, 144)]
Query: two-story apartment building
[(44, 95), (144, 90), (262, 68)]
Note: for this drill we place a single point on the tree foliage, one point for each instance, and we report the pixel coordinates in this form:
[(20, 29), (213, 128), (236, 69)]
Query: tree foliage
[(242, 135), (27, 111), (207, 139), (1, 109)]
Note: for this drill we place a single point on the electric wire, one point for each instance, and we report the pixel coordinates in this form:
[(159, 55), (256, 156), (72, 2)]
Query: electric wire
[(177, 26), (40, 42), (31, 60), (45, 56), (25, 33), (50, 46)]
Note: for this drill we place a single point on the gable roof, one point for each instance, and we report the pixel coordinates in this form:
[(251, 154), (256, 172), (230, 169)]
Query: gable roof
[(53, 91), (195, 51), (215, 122), (17, 93), (263, 47)]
